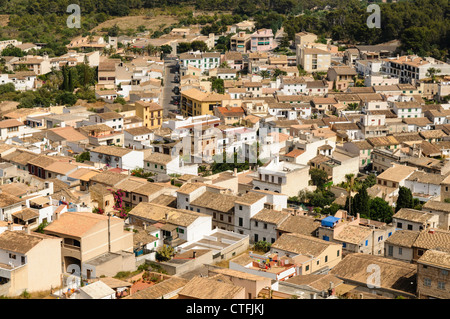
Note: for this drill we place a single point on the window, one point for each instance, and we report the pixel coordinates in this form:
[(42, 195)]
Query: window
[(265, 226), (410, 227), (399, 225), (256, 223), (338, 253), (221, 217), (241, 221), (400, 250), (441, 285), (12, 256), (214, 215), (444, 272), (344, 245), (180, 230), (326, 258), (256, 238), (391, 250), (420, 252), (240, 207), (326, 238), (307, 268), (427, 282)]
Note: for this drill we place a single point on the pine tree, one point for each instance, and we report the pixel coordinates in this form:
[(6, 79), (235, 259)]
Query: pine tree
[(405, 199), (71, 85)]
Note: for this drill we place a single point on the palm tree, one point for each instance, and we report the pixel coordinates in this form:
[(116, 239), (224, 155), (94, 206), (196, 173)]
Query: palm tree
[(350, 188), (224, 65)]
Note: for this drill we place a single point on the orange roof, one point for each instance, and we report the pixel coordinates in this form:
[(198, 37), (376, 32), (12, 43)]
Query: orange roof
[(10, 123), (295, 153), (76, 224)]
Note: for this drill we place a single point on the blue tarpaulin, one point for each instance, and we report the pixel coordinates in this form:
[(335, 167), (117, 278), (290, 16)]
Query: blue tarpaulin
[(329, 221)]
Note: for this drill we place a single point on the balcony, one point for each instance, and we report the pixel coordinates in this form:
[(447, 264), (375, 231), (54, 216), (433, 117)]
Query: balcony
[(71, 251)]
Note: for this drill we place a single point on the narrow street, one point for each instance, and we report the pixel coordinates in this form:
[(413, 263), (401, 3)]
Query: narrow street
[(169, 84)]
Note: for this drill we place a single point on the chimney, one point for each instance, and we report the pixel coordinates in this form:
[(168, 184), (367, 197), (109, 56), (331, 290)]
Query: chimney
[(145, 226), (10, 226), (27, 229), (313, 296), (235, 172)]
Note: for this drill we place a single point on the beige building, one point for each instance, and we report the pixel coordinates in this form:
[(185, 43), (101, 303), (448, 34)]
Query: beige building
[(313, 60), (282, 177), (253, 284), (317, 254), (303, 38), (86, 236), (400, 245), (28, 261), (433, 279)]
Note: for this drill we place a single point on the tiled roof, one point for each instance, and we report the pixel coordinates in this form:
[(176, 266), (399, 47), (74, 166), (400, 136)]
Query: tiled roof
[(160, 289), (301, 244), (353, 234), (395, 274), (76, 224), (413, 215), (19, 242), (215, 201), (300, 224), (209, 288), (249, 198), (271, 216), (433, 239), (111, 150), (404, 238), (436, 258), (397, 173)]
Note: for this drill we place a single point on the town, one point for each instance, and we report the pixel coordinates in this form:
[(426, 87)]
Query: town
[(237, 163)]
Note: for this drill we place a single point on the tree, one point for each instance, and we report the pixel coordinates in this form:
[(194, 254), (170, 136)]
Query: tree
[(11, 50), (218, 85), (350, 188), (85, 156), (431, 72), (165, 49), (183, 47), (278, 72), (262, 246), (199, 45), (264, 74), (405, 199), (120, 100), (224, 65), (361, 203), (164, 253), (369, 181), (318, 177), (380, 210)]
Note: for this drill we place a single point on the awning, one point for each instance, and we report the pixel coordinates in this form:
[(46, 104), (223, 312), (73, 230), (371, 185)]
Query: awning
[(169, 227), (26, 214), (40, 200)]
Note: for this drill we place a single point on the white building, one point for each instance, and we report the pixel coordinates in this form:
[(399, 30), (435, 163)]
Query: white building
[(115, 156)]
